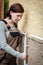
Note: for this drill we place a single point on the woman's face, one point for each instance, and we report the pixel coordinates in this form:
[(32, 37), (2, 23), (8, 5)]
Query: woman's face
[(15, 17)]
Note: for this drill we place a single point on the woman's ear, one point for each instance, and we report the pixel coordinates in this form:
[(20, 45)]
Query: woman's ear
[(11, 12)]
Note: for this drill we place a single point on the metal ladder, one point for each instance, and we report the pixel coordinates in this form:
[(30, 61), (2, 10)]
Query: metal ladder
[(25, 47)]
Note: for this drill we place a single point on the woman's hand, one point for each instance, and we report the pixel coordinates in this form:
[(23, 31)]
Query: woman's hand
[(23, 56), (22, 32)]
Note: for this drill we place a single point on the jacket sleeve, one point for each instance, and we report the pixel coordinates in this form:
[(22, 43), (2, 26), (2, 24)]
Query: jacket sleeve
[(4, 45)]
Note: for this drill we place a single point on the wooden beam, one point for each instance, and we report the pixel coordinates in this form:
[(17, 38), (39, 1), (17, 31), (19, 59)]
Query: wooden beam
[(1, 9)]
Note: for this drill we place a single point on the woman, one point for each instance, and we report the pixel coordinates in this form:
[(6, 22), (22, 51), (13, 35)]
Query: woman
[(8, 27)]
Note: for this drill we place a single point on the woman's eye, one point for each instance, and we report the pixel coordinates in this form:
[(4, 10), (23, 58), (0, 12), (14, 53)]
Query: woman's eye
[(18, 15)]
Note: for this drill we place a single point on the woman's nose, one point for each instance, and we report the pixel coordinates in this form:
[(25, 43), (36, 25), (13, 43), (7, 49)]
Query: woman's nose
[(19, 17)]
